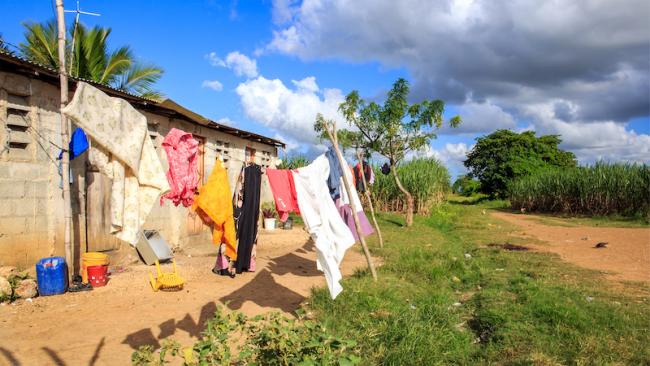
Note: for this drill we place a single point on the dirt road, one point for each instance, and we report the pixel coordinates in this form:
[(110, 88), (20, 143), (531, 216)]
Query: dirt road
[(626, 257), (104, 326)]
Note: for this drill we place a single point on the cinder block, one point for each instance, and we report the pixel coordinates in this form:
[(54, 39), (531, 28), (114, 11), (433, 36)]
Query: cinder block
[(7, 207), (25, 171), (12, 226), (36, 189), (12, 189), (25, 207), (37, 224)]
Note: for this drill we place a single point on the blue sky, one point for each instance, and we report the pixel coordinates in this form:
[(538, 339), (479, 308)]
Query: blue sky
[(308, 54)]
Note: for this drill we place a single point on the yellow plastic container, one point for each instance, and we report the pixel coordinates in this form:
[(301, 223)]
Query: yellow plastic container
[(91, 259)]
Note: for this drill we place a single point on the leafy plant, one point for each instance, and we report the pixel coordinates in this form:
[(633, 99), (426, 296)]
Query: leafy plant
[(503, 156), (268, 210), (264, 340), (396, 128), (90, 58), (466, 186)]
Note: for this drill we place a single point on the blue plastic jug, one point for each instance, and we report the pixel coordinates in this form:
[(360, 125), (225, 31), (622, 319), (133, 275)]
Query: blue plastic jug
[(52, 276)]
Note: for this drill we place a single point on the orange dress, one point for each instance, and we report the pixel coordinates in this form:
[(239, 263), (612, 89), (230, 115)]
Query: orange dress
[(215, 201)]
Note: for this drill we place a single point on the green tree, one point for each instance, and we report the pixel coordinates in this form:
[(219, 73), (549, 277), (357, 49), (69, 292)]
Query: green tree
[(91, 59), (396, 127), (503, 156), (466, 186)]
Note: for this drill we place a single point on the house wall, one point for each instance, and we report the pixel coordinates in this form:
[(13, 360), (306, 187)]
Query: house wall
[(31, 203)]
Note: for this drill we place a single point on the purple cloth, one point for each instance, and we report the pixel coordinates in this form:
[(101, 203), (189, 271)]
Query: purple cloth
[(346, 214)]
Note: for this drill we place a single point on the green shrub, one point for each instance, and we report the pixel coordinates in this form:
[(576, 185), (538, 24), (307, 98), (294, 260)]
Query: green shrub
[(426, 179), (601, 189), (466, 186), (264, 340)]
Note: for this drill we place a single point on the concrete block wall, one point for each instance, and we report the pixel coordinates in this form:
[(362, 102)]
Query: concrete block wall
[(31, 202), (30, 198)]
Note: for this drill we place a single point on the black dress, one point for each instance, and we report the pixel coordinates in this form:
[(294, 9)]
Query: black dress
[(250, 211)]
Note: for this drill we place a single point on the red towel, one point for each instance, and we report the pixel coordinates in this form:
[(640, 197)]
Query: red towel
[(284, 192)]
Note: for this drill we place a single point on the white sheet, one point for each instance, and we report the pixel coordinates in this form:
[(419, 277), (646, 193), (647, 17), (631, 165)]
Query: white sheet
[(122, 150), (329, 232)]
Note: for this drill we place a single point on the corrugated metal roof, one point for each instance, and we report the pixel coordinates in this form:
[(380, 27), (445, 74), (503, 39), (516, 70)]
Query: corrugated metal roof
[(167, 105)]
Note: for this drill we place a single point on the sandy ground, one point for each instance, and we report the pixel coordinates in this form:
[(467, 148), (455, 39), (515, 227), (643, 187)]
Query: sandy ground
[(104, 326), (626, 257)]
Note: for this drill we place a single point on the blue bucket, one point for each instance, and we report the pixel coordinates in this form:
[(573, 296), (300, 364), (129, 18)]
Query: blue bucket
[(52, 276)]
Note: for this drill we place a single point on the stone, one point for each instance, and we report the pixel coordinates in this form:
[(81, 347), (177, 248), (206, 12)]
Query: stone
[(5, 289), (26, 289), (8, 271)]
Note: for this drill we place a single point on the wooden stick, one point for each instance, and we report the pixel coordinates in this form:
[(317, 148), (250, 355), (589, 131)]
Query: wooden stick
[(65, 140), (353, 205), (367, 193)]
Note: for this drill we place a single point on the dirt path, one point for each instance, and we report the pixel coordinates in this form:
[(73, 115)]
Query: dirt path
[(626, 257), (104, 326)]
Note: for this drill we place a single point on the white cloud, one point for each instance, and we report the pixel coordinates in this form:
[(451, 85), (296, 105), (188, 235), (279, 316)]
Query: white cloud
[(290, 112), (212, 84), (591, 141), (214, 60), (239, 63), (481, 118), (580, 69)]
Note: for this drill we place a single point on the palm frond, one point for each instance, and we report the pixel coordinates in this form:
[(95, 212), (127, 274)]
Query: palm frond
[(41, 43), (139, 79)]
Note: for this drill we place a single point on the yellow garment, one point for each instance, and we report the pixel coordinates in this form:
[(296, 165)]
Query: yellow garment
[(214, 200)]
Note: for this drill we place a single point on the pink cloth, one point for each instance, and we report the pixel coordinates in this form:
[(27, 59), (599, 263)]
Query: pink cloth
[(183, 177), (284, 192)]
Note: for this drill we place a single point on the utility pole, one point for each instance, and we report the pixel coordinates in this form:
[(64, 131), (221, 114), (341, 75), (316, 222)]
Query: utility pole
[(65, 139)]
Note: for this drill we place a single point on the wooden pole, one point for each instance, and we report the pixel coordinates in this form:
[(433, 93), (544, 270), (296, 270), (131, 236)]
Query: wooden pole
[(367, 193), (65, 138), (332, 135)]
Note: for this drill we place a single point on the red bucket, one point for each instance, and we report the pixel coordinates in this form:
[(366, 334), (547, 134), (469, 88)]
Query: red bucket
[(97, 275)]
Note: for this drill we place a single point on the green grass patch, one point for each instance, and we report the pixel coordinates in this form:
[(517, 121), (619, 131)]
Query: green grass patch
[(445, 297)]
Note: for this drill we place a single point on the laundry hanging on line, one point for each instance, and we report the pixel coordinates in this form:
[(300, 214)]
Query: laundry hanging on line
[(129, 159), (344, 202), (78, 144), (214, 201), (369, 175), (182, 155), (330, 234), (249, 216), (284, 192)]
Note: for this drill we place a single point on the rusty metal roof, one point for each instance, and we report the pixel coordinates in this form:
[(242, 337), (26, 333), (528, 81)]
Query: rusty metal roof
[(169, 107)]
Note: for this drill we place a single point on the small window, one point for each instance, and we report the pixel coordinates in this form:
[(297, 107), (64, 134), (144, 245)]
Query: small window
[(17, 125)]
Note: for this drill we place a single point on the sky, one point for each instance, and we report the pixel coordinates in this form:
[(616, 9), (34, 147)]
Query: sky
[(580, 69)]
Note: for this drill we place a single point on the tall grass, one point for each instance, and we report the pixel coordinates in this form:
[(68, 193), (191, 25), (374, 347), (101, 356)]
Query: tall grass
[(426, 179), (601, 189)]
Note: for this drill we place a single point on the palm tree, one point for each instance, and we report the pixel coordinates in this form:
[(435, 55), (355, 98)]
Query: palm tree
[(91, 58)]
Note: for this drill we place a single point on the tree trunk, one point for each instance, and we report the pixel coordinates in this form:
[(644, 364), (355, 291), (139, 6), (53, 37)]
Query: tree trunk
[(353, 206), (407, 194), (367, 192)]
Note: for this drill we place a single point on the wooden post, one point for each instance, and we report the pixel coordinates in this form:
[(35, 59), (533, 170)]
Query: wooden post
[(65, 140), (332, 135), (367, 193)]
